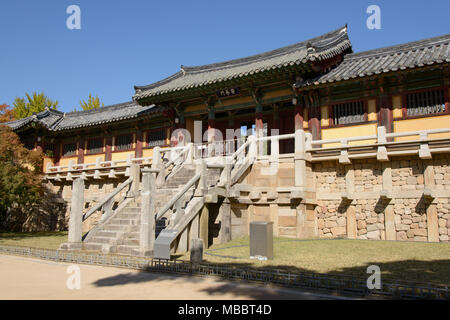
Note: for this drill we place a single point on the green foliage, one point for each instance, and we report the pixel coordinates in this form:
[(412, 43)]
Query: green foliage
[(91, 103), (20, 175), (25, 107)]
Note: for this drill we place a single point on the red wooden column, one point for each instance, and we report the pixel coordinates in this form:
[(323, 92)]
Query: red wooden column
[(139, 144), (259, 123), (298, 117), (81, 150), (314, 122), (108, 147)]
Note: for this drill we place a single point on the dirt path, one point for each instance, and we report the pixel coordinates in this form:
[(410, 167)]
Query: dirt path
[(26, 278)]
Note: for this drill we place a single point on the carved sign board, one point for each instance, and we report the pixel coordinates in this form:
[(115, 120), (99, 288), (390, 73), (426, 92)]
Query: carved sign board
[(228, 92)]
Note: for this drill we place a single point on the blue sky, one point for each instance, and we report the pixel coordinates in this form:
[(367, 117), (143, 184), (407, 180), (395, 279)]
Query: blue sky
[(123, 43)]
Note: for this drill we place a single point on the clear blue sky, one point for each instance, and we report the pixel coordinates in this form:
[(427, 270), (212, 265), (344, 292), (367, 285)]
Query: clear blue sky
[(123, 43)]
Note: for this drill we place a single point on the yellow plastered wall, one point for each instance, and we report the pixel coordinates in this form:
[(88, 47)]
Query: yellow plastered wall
[(46, 162), (350, 131), (190, 128), (93, 158), (397, 107), (435, 122), (65, 161), (197, 107), (325, 119), (115, 156), (147, 153), (372, 110)]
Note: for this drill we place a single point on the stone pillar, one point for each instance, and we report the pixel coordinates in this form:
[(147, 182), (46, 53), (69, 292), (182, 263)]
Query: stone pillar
[(432, 214), (204, 225), (147, 234), (135, 172), (352, 229), (300, 159), (225, 216), (76, 217), (389, 214)]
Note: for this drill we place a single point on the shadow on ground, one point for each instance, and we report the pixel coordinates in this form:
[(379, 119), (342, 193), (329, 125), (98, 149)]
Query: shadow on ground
[(417, 272)]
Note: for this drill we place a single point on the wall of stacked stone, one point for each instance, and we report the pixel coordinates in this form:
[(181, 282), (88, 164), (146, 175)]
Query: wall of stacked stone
[(410, 213)]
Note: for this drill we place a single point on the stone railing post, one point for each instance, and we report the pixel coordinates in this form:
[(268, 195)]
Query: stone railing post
[(424, 151), (157, 164), (190, 154), (300, 158), (147, 234), (201, 187), (253, 147), (382, 151), (76, 217), (135, 172), (274, 148)]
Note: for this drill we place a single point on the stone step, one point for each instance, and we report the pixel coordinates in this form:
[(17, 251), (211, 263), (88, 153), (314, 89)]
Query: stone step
[(98, 239), (110, 234), (126, 249), (131, 242), (110, 227), (136, 209), (118, 221), (132, 216), (93, 246)]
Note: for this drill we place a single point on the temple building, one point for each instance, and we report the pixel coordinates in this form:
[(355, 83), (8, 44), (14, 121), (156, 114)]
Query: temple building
[(345, 103)]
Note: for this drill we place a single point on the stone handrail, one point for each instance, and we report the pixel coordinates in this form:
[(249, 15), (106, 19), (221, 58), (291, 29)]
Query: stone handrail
[(108, 198)]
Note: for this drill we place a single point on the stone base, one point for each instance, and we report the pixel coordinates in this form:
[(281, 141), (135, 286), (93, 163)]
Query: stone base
[(143, 253), (71, 246)]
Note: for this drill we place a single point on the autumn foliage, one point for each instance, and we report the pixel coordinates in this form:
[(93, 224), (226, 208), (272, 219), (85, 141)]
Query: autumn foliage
[(6, 113), (20, 179)]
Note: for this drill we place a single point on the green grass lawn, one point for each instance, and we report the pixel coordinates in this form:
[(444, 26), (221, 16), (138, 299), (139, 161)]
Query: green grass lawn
[(410, 261), (44, 240)]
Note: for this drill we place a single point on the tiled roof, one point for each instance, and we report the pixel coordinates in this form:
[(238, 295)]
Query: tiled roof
[(58, 121), (316, 49), (400, 57)]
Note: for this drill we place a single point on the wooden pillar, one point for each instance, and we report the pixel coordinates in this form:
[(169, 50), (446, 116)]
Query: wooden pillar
[(139, 144), (81, 147), (299, 110), (108, 148), (259, 124), (314, 122)]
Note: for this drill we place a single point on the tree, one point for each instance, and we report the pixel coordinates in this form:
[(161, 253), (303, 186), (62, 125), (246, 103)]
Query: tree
[(20, 179), (6, 113), (25, 107), (92, 103)]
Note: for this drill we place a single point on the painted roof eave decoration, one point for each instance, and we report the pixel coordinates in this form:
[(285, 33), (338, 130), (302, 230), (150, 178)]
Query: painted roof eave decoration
[(316, 49), (412, 55), (57, 121)]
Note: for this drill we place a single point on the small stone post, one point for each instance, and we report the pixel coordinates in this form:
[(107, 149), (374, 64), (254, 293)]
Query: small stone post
[(225, 215), (147, 234), (197, 251)]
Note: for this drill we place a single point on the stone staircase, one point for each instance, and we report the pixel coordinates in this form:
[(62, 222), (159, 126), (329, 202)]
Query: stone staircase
[(120, 233)]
